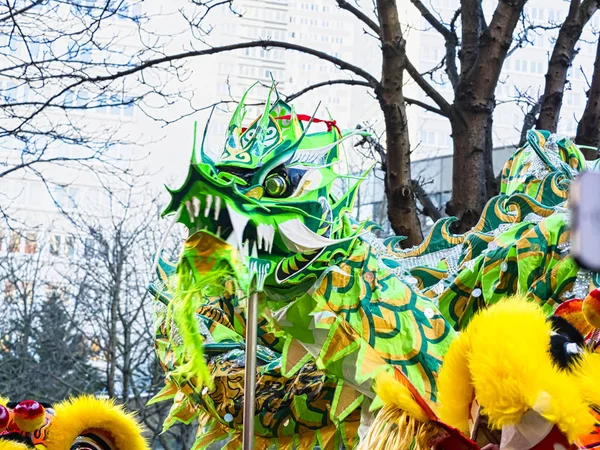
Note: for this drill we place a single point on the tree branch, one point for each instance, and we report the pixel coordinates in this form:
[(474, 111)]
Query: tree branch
[(431, 19), (450, 38), (343, 65), (481, 77), (530, 119), (429, 209), (439, 100), (264, 43), (408, 100), (295, 95), (561, 59), (343, 4), (471, 34), (451, 46), (587, 130), (18, 12), (425, 106)]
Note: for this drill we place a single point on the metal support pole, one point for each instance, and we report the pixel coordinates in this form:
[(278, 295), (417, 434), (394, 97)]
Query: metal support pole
[(250, 376)]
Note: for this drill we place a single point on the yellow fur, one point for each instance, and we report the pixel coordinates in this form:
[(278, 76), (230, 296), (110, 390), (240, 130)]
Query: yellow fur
[(455, 389), (6, 445), (509, 359), (393, 392), (75, 416), (505, 351), (3, 401), (587, 373)]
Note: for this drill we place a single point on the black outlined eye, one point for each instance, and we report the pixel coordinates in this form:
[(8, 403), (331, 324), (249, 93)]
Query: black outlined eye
[(276, 185)]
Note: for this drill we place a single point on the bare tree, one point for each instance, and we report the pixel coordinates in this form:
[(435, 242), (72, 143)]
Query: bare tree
[(110, 281), (588, 131), (563, 53), (42, 355), (49, 51), (476, 47)]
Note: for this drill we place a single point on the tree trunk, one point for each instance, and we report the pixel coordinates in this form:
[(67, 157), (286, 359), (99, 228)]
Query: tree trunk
[(402, 210), (588, 131), (469, 174), (560, 61), (112, 337), (492, 187), (473, 180)]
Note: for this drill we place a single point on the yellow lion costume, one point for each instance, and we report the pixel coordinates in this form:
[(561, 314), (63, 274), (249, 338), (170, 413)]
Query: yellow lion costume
[(84, 423), (512, 370)]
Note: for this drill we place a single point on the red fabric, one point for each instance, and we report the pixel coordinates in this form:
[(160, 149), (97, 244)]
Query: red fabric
[(452, 439), (331, 124), (399, 375), (592, 440), (554, 440)]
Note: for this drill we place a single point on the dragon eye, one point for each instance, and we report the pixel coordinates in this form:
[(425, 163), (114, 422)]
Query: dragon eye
[(276, 185)]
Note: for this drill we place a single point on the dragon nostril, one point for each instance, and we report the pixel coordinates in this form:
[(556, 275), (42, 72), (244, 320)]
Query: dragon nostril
[(255, 193)]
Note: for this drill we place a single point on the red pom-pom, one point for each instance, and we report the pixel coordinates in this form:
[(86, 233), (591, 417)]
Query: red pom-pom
[(591, 308), (4, 418), (29, 415), (595, 293)]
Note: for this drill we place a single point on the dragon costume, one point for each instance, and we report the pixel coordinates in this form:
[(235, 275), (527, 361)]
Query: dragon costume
[(341, 308)]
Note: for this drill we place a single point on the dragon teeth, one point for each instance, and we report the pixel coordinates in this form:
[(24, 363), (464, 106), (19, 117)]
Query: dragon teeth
[(238, 222), (196, 206), (254, 251), (271, 238), (219, 231), (190, 210), (209, 199), (266, 235), (217, 208)]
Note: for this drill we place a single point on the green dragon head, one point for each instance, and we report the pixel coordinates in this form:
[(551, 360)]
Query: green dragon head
[(265, 205)]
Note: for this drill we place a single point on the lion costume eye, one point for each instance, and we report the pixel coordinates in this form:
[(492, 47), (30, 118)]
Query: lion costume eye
[(276, 185)]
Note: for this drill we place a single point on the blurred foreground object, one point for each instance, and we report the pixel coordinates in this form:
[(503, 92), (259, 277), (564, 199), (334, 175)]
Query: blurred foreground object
[(585, 206)]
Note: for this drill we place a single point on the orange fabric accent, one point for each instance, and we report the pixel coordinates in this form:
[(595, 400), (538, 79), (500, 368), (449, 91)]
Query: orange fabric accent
[(399, 375)]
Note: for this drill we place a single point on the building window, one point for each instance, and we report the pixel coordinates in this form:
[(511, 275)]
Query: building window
[(571, 99), (30, 242), (427, 137), (55, 244), (518, 65), (9, 291), (89, 248), (70, 246), (14, 243)]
